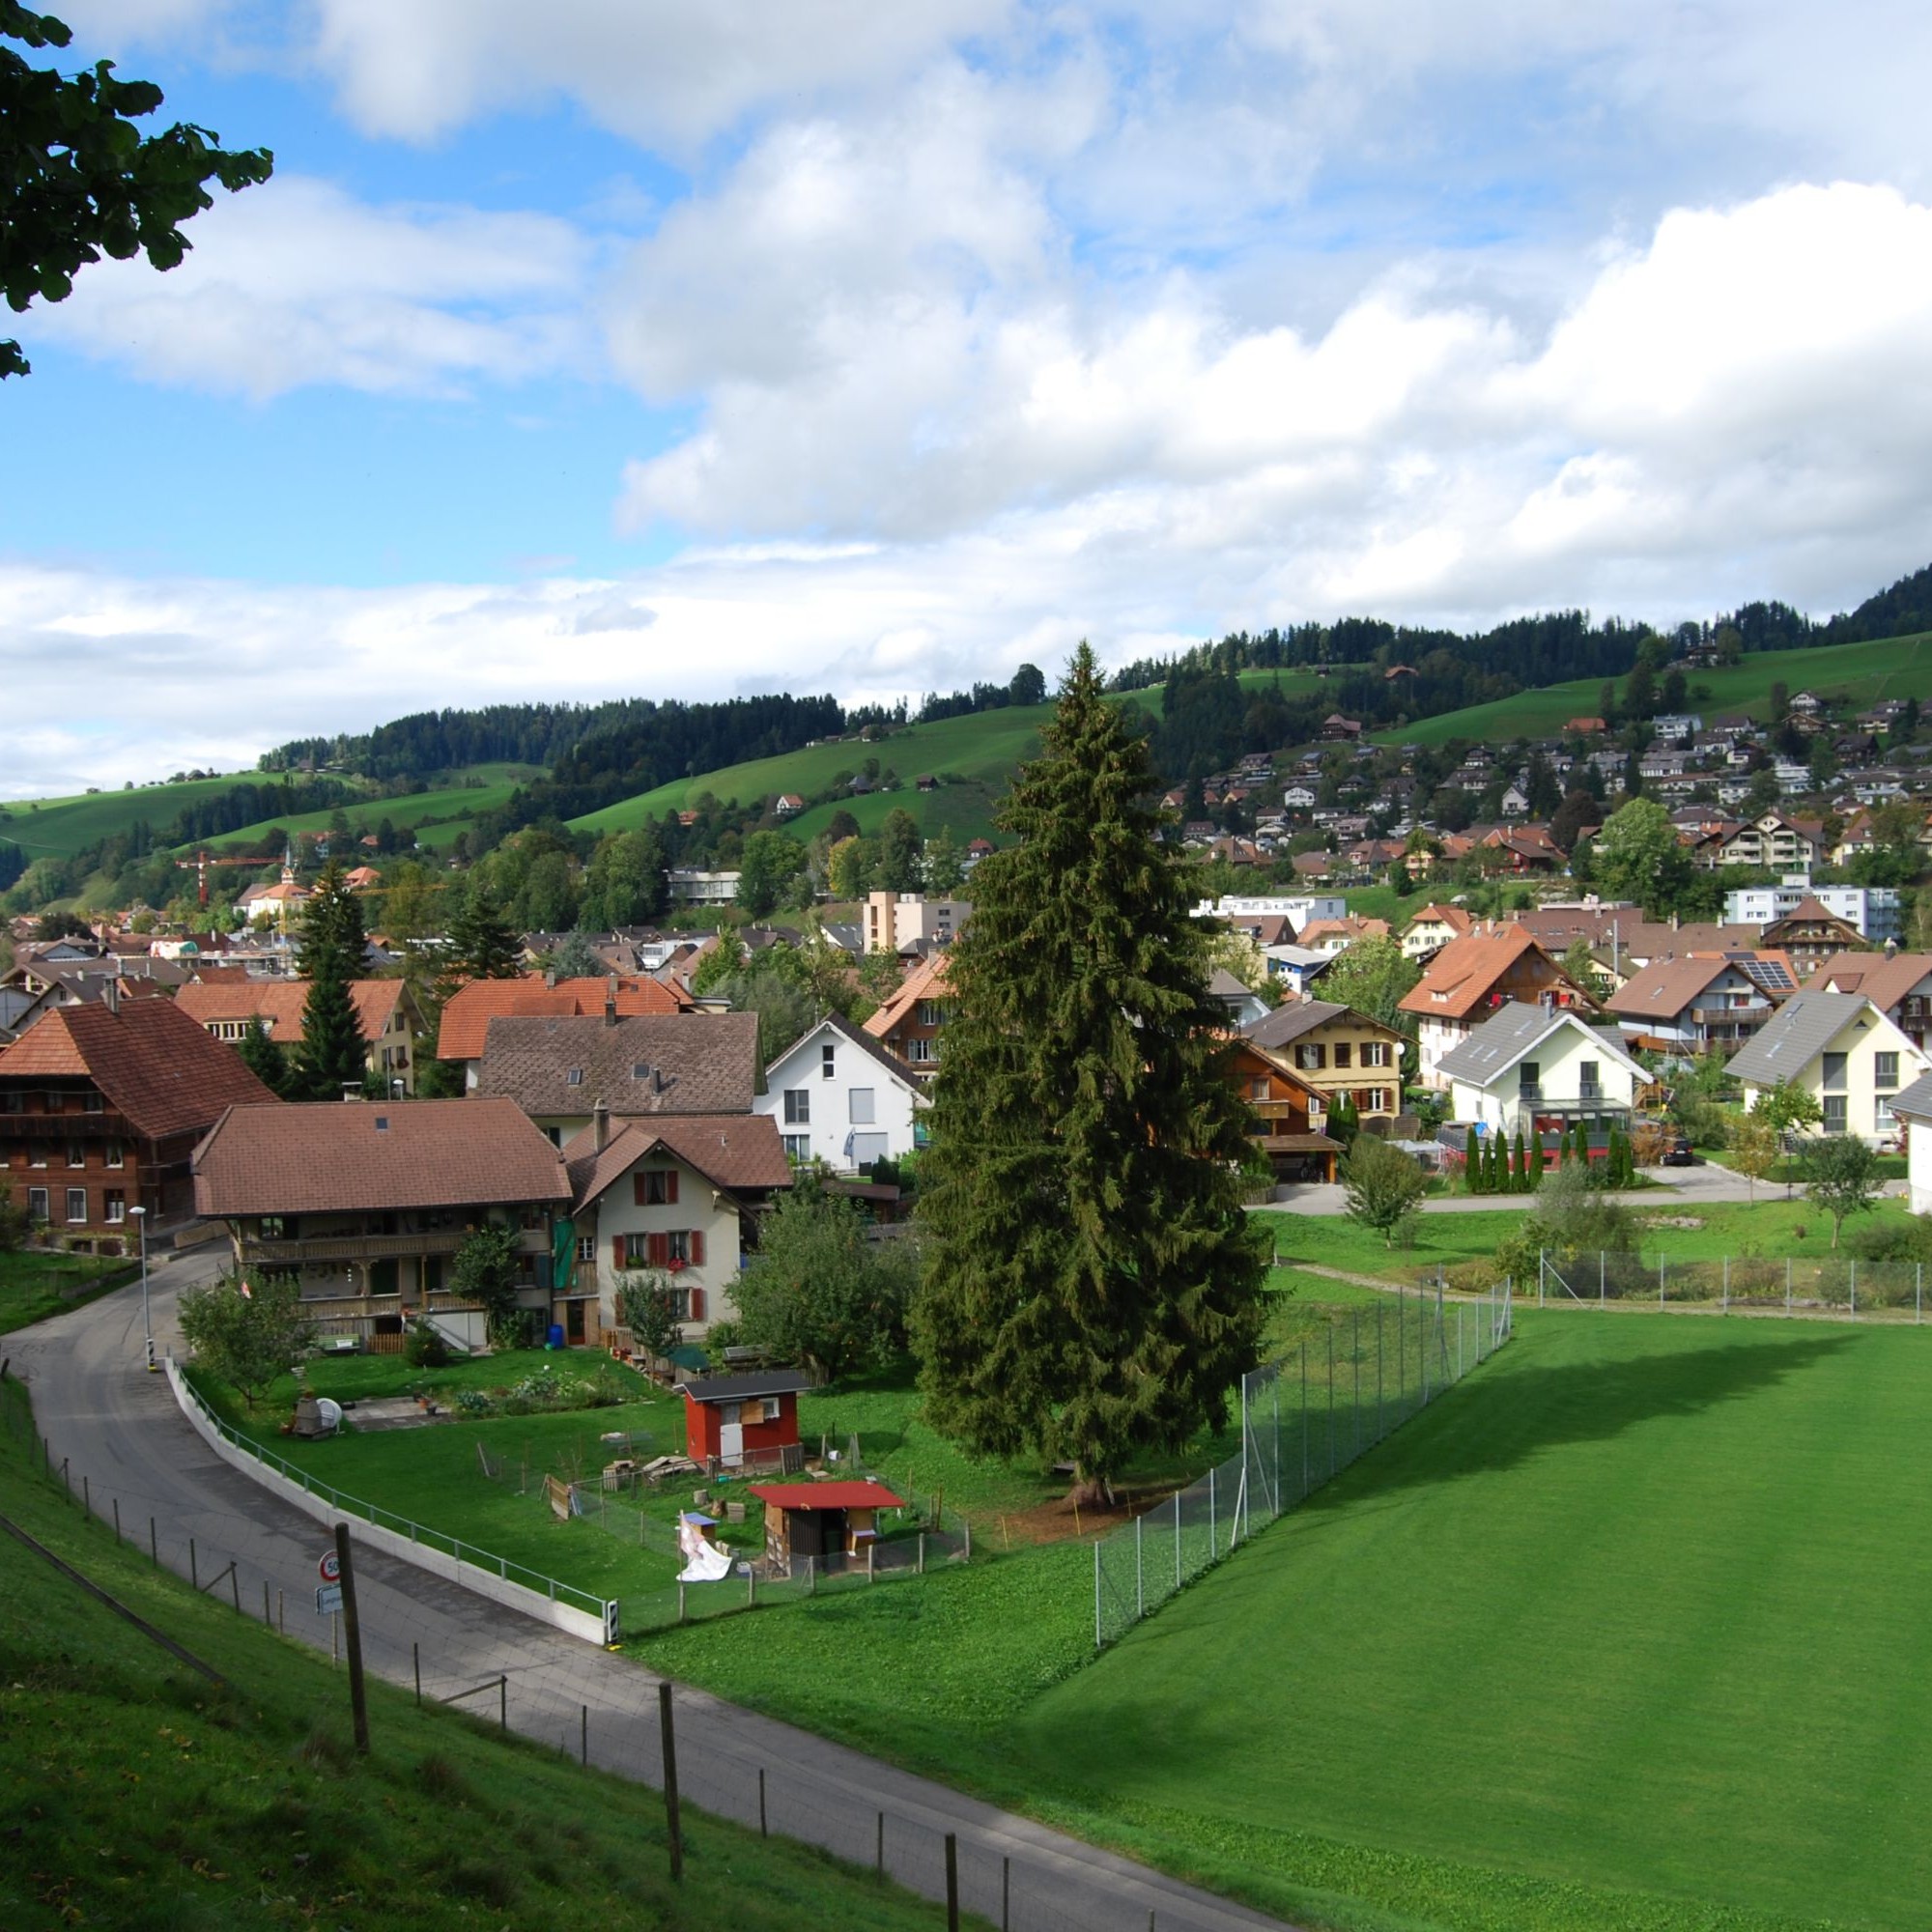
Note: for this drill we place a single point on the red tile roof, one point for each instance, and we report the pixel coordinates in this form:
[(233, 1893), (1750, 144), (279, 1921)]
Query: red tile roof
[(827, 1496), (150, 1060), (928, 982), (280, 1003), (735, 1151), (331, 1156), (467, 1018), (1460, 977)]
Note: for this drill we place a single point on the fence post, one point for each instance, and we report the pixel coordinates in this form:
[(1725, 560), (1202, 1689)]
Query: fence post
[(1542, 1262), (1355, 1411), (1855, 1290), (765, 1830), (1727, 1284), (1919, 1293), (153, 1544), (193, 1568), (1380, 1430), (1140, 1571), (952, 1883), (1096, 1593), (416, 1666), (922, 1552), (1331, 1404), (1176, 1539), (1401, 1353), (672, 1828), (1787, 1283), (1660, 1281), (1211, 1516), (1006, 1895), (1602, 1292)]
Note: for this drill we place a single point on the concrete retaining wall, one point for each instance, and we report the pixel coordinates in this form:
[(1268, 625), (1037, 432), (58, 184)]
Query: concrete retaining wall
[(578, 1623)]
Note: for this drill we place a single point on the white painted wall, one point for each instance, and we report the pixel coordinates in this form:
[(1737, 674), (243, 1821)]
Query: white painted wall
[(699, 1207), (1559, 1061), (834, 1094), (1866, 1112)]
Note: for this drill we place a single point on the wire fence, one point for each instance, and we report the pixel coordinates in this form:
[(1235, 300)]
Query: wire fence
[(1303, 1421), (506, 1675), (1790, 1285)]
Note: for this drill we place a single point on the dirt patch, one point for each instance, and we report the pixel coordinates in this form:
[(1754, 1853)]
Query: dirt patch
[(1059, 1520)]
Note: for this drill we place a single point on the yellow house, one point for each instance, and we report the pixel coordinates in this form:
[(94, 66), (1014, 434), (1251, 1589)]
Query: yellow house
[(1840, 1049), (1336, 1050)]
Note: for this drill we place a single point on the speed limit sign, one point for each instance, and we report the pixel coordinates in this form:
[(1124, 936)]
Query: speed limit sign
[(331, 1567)]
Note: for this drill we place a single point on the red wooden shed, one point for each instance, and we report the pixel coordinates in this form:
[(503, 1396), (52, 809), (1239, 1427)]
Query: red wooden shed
[(821, 1519), (731, 1420)]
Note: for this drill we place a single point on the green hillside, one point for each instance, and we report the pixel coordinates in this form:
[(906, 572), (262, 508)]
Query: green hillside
[(981, 750), (1859, 673), (61, 826), (452, 805)]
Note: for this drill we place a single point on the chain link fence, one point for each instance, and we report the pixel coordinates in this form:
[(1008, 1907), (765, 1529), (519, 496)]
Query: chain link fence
[(1303, 1421), (1823, 1284)]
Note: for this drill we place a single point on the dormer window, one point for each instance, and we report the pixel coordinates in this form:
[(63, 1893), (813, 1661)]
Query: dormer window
[(575, 1077)]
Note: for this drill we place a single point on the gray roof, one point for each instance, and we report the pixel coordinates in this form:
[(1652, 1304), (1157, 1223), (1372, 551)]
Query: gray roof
[(1796, 1035), (1223, 986), (1916, 1102), (1289, 1021), (857, 1036), (734, 1388), (1517, 1029), (650, 1064)]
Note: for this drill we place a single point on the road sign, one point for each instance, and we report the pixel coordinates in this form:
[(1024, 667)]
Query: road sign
[(329, 1600), (331, 1567)]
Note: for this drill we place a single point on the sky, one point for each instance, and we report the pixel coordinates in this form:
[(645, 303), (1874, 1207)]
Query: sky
[(622, 348)]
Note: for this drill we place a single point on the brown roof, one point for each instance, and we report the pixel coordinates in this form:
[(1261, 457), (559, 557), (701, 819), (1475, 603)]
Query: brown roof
[(150, 1060), (926, 981), (1456, 918), (1645, 940), (469, 1011), (1666, 986), (735, 1151), (1465, 972), (1293, 1018), (328, 1156), (280, 1003), (691, 1064), (1884, 981)]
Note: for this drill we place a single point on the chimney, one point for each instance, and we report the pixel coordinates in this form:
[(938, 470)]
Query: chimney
[(549, 976), (110, 996), (599, 1127), (611, 1002)]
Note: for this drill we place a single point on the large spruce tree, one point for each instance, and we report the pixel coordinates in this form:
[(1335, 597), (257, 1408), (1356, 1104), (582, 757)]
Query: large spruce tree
[(481, 944), (1092, 1287), (335, 954)]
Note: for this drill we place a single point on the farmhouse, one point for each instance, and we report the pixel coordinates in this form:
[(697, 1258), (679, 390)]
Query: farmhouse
[(469, 1011), (366, 1205), (100, 1107), (827, 1522), (909, 1024), (1711, 998), (1287, 1114), (1898, 983), (842, 1099), (731, 1421), (1840, 1049)]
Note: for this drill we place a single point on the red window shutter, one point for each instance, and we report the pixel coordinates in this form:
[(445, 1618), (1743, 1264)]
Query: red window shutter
[(697, 1304), (698, 1248), (616, 1251), (671, 1187), (659, 1250), (638, 1188)]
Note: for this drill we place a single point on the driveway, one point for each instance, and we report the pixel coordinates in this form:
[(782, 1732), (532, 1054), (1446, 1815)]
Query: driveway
[(120, 1428)]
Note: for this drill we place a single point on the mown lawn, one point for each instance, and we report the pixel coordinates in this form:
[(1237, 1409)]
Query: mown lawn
[(1638, 1610), (133, 1793)]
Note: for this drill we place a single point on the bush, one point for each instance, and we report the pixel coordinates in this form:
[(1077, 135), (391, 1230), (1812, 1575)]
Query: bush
[(1908, 1238), (424, 1347), (14, 1227)]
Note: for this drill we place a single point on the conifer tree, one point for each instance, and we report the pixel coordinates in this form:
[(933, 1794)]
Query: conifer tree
[(264, 1059), (1092, 1287), (481, 944), (334, 952), (1521, 1160), (1475, 1171)]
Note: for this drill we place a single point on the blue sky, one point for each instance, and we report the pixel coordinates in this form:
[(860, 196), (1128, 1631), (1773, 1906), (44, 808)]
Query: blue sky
[(686, 350)]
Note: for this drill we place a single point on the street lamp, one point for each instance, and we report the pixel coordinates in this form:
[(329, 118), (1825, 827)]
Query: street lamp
[(140, 1215)]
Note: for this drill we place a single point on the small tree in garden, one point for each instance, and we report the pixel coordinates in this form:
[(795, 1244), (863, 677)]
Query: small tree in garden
[(245, 1334), (1841, 1178), (1787, 1107), (1522, 1159), (484, 1270), (1382, 1185), (1500, 1174), (1753, 1150), (647, 1306), (1473, 1173)]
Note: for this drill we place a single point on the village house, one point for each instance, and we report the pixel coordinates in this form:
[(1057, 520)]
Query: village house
[(1431, 928), (912, 923), (677, 1196), (467, 1012), (1536, 1069), (385, 1010), (1472, 979), (1771, 840), (1871, 911), (100, 1108), (1899, 984), (560, 1070), (1289, 1111), (841, 1098), (1701, 1002), (365, 1205), (909, 1024), (1811, 935), (1840, 1049), (1913, 1111), (1336, 1050)]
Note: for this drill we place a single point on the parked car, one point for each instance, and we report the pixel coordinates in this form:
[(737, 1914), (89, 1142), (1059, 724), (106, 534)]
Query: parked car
[(1677, 1152)]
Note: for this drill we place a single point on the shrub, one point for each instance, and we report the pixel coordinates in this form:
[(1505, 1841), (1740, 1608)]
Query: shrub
[(424, 1347), (1906, 1237)]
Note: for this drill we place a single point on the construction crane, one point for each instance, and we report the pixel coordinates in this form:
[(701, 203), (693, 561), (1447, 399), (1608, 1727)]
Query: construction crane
[(204, 858)]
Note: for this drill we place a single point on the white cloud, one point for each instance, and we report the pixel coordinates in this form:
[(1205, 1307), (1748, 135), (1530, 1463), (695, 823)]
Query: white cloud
[(294, 284)]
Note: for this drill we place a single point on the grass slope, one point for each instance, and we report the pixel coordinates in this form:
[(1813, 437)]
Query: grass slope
[(452, 806), (35, 1286), (1859, 673), (60, 826), (1638, 1611), (134, 1793)]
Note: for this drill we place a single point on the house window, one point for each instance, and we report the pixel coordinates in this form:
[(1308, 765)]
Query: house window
[(114, 1206), (36, 1153), (657, 1187), (1528, 1076), (1835, 1074), (1375, 1053), (586, 1247), (1883, 1121), (77, 1153), (1885, 1071), (930, 1013), (1342, 1054), (77, 1204), (36, 1203), (920, 1052), (575, 1077), (798, 1148), (92, 1103), (273, 1227), (117, 1158), (1835, 1114), (12, 1101), (1372, 1101), (768, 1409), (1310, 1059), (798, 1106), (1587, 1079), (677, 1247), (860, 1100), (826, 1055)]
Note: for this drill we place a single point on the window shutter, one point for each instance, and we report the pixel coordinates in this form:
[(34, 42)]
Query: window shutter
[(638, 1188), (671, 1187), (659, 1250), (697, 1304), (698, 1248), (617, 1251)]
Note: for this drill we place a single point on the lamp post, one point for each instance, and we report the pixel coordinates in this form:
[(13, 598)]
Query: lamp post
[(140, 1215)]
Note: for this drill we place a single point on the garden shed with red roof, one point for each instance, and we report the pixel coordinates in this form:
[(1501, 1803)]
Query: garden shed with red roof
[(821, 1519)]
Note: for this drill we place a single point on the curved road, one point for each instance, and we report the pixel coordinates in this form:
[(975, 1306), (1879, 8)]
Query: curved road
[(120, 1428)]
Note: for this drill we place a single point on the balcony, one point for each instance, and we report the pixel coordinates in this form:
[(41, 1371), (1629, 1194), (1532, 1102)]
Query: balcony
[(1743, 1017), (376, 1247)]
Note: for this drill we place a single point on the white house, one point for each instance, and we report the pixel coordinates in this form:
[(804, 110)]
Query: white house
[(840, 1097), (1912, 1110), (1539, 1068), (1843, 1051), (674, 1194), (1872, 909)]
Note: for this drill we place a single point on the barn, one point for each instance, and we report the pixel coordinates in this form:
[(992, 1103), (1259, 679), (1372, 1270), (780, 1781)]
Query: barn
[(823, 1520), (731, 1421)]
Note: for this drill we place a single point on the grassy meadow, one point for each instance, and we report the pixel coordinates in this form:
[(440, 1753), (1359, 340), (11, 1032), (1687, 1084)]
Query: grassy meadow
[(60, 826)]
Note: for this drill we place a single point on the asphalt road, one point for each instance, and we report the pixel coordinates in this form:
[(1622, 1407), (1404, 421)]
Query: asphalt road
[(119, 1428)]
